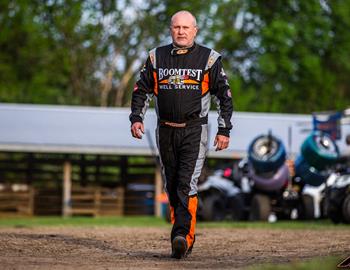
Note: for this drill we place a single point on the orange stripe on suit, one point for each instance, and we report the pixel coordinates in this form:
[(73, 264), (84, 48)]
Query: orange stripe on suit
[(192, 208), (155, 83), (205, 83), (191, 82), (172, 214)]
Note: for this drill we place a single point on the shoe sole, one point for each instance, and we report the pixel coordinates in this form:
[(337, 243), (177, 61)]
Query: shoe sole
[(179, 247)]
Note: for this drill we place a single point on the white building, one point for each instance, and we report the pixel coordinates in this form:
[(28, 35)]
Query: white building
[(84, 130)]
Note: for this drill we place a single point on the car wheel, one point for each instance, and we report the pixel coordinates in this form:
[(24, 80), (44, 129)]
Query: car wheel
[(266, 153), (238, 207), (307, 207), (273, 183), (334, 213), (320, 150), (213, 208), (346, 209), (260, 208), (309, 174)]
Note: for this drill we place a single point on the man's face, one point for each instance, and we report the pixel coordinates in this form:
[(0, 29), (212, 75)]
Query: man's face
[(183, 31)]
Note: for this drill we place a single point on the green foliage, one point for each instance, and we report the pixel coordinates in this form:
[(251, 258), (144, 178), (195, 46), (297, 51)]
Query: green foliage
[(281, 56), (293, 56), (47, 55)]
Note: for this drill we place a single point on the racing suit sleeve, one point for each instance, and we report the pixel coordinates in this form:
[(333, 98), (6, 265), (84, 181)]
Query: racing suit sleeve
[(221, 93), (143, 93)]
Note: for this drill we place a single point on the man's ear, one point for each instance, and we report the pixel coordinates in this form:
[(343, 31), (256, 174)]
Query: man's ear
[(197, 29)]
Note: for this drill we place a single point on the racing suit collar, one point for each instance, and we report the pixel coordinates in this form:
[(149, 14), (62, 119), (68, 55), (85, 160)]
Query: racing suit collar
[(181, 50)]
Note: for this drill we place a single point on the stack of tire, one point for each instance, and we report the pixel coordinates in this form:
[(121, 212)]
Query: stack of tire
[(338, 199), (318, 152), (268, 172)]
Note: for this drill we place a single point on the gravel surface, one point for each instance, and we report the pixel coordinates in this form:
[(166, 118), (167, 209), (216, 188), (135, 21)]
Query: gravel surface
[(149, 248)]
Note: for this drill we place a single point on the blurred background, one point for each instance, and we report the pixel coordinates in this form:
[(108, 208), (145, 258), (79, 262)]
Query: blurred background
[(280, 56), (67, 68)]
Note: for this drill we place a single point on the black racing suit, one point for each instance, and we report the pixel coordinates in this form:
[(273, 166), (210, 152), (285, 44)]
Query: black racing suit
[(182, 82)]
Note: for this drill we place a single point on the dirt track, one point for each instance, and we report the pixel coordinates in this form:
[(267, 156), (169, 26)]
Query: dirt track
[(148, 248)]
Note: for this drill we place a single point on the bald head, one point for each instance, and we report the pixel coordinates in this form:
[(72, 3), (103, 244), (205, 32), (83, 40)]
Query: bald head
[(184, 14), (183, 29)]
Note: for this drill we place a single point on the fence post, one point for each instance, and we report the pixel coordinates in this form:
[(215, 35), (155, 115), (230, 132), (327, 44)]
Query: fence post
[(31, 194), (97, 200), (67, 189), (158, 191)]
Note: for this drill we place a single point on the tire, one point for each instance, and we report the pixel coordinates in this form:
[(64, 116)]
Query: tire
[(320, 150), (334, 213), (273, 183), (324, 208), (200, 208), (213, 208), (346, 209), (307, 207), (308, 174), (237, 204), (260, 208), (266, 153)]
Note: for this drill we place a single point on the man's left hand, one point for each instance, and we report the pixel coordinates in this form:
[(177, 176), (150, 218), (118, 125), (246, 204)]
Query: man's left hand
[(221, 142)]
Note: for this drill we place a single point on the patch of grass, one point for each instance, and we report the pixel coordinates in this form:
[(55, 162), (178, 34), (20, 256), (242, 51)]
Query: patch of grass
[(150, 221), (139, 221), (287, 224), (328, 263)]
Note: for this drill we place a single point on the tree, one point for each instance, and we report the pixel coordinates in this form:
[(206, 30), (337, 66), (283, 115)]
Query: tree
[(286, 56), (48, 55), (142, 27), (79, 52), (280, 56)]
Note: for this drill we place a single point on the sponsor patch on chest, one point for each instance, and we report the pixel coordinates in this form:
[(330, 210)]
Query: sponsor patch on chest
[(182, 79)]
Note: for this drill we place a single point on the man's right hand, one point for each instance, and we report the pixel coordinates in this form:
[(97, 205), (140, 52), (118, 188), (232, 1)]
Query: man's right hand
[(137, 129)]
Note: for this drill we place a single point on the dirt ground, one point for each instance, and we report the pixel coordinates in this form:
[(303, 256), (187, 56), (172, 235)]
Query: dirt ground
[(149, 248)]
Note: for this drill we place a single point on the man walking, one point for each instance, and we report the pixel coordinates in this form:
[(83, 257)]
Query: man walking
[(182, 77)]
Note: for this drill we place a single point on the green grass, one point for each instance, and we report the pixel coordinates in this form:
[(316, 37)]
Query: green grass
[(149, 221), (317, 224), (328, 263), (141, 221)]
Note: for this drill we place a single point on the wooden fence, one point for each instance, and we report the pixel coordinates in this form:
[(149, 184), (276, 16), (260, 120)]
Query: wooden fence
[(16, 200), (28, 201), (110, 175), (97, 201)]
